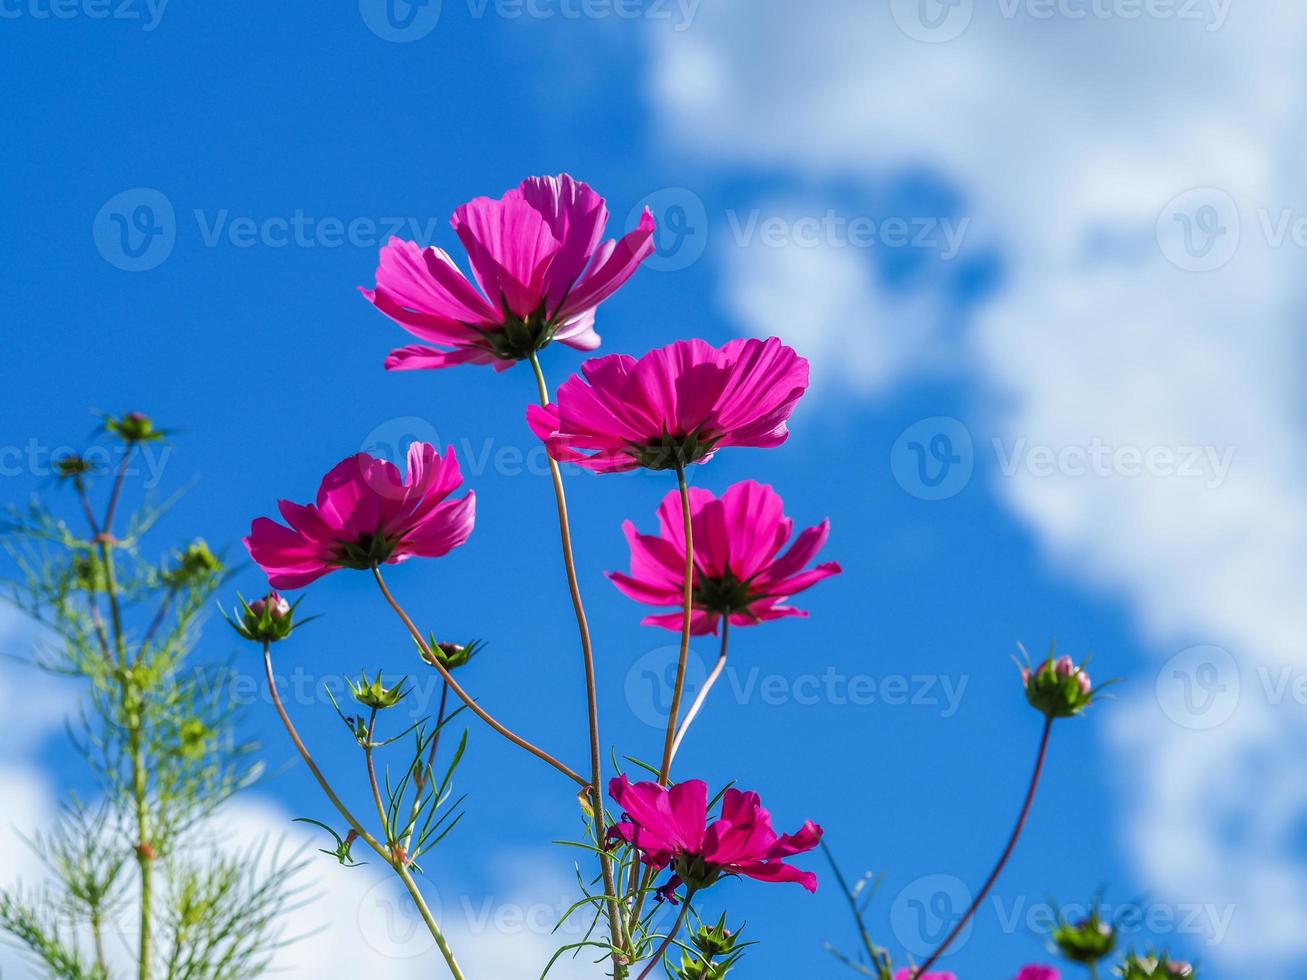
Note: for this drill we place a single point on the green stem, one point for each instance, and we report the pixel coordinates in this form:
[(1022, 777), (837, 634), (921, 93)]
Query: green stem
[(357, 827), (591, 688), (132, 716), (466, 698), (1003, 859), (423, 774), (673, 717)]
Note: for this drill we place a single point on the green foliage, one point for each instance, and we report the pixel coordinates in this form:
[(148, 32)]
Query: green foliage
[(158, 735)]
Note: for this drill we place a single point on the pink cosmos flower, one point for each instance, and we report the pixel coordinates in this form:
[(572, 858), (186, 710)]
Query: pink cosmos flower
[(366, 514), (739, 570), (542, 270), (674, 406), (1038, 972), (670, 828)]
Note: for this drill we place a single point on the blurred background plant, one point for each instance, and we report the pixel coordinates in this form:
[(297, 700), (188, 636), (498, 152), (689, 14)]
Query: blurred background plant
[(158, 734)]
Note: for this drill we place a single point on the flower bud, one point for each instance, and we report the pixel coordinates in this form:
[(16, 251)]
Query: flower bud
[(133, 428), (375, 695), (73, 466), (1154, 967), (715, 941), (450, 655), (196, 564), (1086, 941), (266, 620), (1058, 687)]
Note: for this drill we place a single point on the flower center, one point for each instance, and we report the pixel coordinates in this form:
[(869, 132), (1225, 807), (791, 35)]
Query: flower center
[(669, 451), (725, 594), (365, 551)]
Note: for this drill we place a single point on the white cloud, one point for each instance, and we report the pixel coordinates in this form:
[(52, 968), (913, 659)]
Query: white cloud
[(1069, 137)]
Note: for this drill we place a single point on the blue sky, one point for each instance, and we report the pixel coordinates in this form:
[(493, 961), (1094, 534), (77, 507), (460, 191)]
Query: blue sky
[(778, 155)]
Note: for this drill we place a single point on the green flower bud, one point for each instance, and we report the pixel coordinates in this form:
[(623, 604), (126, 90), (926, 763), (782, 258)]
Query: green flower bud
[(1086, 941), (1057, 687), (266, 620), (133, 428), (451, 655), (195, 564), (74, 466), (1154, 967), (375, 695), (715, 941)]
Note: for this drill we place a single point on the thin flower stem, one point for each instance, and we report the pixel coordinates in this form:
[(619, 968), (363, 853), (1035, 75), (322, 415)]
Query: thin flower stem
[(591, 685), (420, 777), (467, 699), (409, 884), (671, 934), (1002, 861), (158, 619), (132, 719), (372, 780), (117, 491), (703, 691), (673, 716)]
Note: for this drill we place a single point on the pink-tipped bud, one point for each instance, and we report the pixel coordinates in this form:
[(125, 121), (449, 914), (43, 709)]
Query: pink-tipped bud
[(1086, 685), (280, 607), (1065, 667)]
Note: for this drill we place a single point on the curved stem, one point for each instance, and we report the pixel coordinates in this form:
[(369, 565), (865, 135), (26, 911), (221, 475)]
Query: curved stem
[(703, 691), (467, 699), (409, 884), (1003, 859), (591, 685), (664, 772), (671, 934)]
